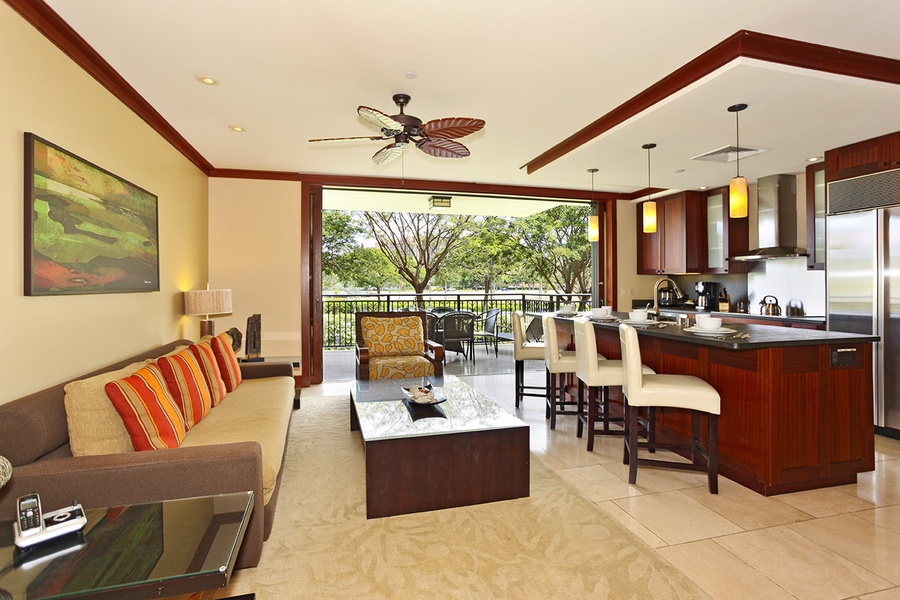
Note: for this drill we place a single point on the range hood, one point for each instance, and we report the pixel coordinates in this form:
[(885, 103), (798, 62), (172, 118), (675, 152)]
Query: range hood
[(777, 212)]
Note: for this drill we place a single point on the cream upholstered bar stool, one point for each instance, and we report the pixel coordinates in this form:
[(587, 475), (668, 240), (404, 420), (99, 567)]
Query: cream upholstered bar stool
[(559, 363), (668, 391), (524, 350), (598, 374)]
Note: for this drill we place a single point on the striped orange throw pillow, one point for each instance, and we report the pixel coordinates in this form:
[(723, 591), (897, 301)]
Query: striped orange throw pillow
[(187, 385), (206, 358), (227, 361), (150, 414)]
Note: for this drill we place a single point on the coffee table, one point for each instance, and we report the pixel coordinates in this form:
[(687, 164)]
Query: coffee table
[(466, 450), (133, 552)]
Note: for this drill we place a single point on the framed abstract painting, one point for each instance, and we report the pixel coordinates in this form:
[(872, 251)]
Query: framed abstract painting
[(87, 231)]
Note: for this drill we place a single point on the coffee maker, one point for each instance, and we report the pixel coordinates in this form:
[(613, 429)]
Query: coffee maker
[(707, 294)]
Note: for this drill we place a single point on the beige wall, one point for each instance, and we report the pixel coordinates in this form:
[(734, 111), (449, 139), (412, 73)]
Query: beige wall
[(254, 249), (46, 340)]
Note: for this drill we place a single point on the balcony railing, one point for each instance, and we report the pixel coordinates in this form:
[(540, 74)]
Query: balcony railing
[(339, 310)]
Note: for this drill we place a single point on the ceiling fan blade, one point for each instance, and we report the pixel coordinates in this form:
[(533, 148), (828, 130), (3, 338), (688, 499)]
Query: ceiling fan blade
[(452, 127), (442, 148), (380, 120), (340, 139), (388, 153)]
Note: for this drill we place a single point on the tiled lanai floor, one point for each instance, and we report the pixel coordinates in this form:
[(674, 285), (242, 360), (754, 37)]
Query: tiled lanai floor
[(840, 542)]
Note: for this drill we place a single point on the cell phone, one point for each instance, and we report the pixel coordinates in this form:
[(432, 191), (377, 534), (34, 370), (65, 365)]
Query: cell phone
[(33, 526)]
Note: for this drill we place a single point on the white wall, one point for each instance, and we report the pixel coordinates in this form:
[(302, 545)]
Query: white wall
[(47, 340), (254, 249)]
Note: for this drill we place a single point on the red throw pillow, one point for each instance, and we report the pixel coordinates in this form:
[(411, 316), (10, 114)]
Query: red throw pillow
[(227, 361), (187, 385), (206, 358), (151, 416)]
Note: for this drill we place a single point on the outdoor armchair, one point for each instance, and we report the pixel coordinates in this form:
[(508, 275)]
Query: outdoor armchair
[(392, 345)]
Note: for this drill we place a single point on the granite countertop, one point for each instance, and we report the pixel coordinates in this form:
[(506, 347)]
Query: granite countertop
[(687, 310), (761, 336)]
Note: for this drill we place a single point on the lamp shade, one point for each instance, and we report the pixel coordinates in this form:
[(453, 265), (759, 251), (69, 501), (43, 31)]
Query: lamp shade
[(737, 198), (649, 216), (207, 302), (593, 228)]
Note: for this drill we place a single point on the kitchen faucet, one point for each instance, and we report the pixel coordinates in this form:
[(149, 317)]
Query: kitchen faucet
[(654, 310)]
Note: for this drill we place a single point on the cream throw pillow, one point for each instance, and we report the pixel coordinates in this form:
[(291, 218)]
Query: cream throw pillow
[(94, 425)]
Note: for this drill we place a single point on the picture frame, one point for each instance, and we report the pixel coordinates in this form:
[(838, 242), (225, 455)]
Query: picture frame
[(87, 230)]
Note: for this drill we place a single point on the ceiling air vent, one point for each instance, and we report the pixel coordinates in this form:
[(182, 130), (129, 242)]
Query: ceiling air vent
[(727, 154)]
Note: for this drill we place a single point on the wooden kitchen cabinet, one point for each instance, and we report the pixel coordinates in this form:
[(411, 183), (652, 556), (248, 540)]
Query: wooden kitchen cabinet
[(863, 158), (816, 191), (679, 242), (725, 237)]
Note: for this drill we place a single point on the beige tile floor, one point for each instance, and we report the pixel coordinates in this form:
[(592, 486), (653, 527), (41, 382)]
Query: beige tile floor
[(834, 543)]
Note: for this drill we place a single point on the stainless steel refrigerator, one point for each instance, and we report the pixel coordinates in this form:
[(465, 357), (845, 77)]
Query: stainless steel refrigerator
[(862, 266)]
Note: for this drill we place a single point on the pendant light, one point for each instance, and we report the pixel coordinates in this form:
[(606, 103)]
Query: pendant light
[(593, 220), (737, 187), (649, 207)]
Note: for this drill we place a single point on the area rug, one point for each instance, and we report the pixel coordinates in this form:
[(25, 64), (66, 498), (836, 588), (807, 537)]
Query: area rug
[(554, 544)]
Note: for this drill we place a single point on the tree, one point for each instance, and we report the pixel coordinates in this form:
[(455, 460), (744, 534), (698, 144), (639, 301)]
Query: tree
[(340, 231), (417, 244), (368, 268), (487, 253), (558, 248)]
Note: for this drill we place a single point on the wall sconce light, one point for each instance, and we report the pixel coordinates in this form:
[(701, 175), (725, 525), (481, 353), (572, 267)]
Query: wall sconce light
[(649, 207), (737, 187), (207, 302), (593, 220), (439, 202)]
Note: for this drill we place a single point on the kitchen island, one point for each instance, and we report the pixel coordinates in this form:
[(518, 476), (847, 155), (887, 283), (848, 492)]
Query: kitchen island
[(797, 408)]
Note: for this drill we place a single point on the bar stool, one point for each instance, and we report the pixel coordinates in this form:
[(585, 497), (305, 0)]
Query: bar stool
[(524, 350), (668, 391), (598, 374), (559, 363)]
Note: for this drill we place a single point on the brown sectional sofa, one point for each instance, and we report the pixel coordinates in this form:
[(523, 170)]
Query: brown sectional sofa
[(239, 445)]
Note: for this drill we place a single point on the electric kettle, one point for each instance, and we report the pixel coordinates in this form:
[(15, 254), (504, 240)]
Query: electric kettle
[(769, 308)]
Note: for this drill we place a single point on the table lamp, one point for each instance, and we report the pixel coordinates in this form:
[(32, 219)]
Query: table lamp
[(207, 302)]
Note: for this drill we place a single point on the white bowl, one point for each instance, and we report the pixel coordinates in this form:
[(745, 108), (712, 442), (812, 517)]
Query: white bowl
[(601, 311), (637, 315), (709, 323)]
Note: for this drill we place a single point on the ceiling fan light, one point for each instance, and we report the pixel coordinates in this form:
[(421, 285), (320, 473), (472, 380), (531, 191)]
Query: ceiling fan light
[(593, 228), (649, 216), (737, 198)]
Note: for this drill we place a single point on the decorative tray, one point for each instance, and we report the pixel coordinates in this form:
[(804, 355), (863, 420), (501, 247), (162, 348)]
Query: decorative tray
[(423, 395)]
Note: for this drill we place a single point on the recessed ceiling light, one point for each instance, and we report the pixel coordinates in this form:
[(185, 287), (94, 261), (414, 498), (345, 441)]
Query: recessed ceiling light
[(207, 80), (703, 187), (236, 128), (410, 75), (813, 158)]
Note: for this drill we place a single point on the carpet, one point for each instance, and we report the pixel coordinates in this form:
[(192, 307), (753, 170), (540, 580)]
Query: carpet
[(554, 544)]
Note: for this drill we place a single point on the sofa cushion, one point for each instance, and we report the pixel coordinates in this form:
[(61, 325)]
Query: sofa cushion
[(259, 410), (94, 425), (151, 416), (187, 385), (393, 336), (227, 361), (206, 358)]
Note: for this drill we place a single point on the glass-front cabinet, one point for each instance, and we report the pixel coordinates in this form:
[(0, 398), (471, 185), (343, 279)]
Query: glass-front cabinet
[(725, 237), (816, 191)]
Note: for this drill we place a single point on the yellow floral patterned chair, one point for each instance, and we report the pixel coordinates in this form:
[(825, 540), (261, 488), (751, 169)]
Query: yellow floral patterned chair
[(393, 345)]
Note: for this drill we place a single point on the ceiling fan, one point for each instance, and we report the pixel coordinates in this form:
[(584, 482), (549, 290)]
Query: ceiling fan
[(436, 137)]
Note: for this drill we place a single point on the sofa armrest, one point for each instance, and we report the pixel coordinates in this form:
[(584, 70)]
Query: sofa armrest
[(258, 370), (138, 477)]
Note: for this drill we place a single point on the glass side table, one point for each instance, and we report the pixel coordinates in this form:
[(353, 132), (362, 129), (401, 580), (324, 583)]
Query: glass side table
[(137, 551)]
